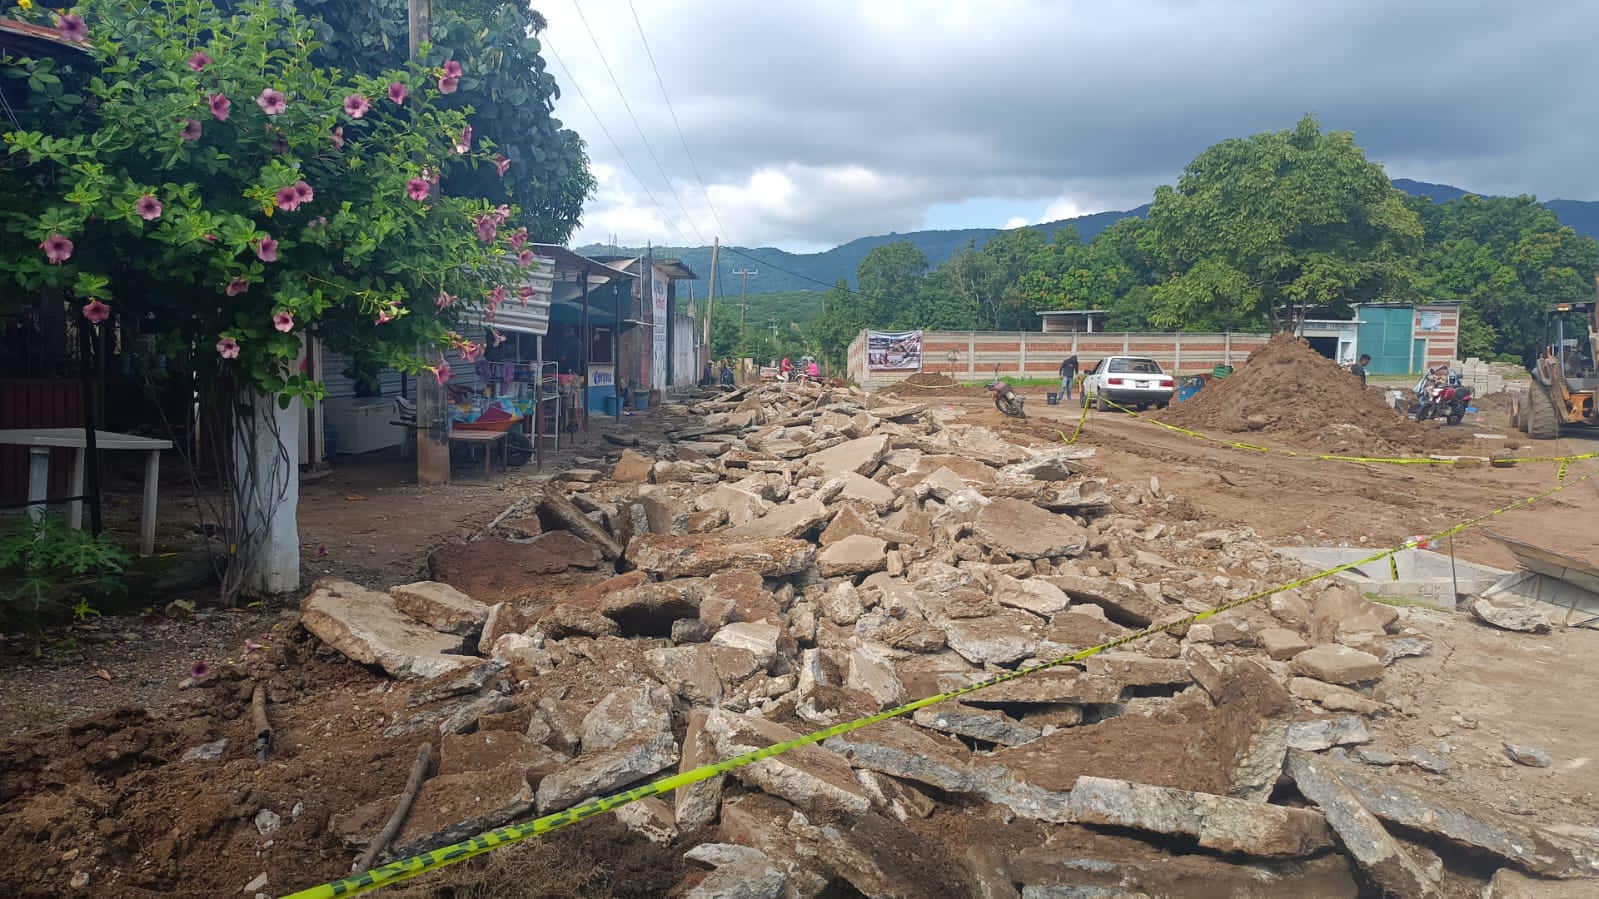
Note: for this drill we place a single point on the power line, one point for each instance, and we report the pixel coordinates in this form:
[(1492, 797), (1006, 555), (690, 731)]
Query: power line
[(607, 132), (576, 5), (693, 166), (769, 264)]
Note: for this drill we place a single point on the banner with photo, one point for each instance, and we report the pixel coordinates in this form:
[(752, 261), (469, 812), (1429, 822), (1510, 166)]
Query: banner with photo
[(894, 350)]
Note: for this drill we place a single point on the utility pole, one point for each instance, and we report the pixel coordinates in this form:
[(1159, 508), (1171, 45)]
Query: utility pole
[(710, 304), (744, 300), (432, 416)]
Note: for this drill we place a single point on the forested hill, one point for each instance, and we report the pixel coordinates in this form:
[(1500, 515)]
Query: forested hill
[(780, 270)]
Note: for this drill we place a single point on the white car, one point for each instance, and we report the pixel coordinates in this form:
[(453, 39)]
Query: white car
[(1131, 381)]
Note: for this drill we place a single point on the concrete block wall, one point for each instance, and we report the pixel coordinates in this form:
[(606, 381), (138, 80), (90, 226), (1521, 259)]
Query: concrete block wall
[(974, 355)]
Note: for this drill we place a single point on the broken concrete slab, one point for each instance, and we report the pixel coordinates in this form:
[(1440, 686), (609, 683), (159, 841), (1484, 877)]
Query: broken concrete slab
[(865, 490), (1123, 603), (700, 555), (1002, 638), (1530, 756), (1325, 733), (759, 638), (626, 713), (440, 607), (1509, 614), (556, 509), (1509, 884), (688, 671), (1024, 531), (1057, 464), (595, 774), (1387, 862), (564, 620), (851, 556), (650, 608), (860, 456), (1334, 698), (1131, 669), (1341, 611), (740, 506), (1031, 595), (790, 520), (366, 628), (697, 803), (1337, 664), (976, 723), (872, 672), (1220, 823), (487, 750), (1281, 644), (811, 777), (1456, 820), (743, 878), (632, 468)]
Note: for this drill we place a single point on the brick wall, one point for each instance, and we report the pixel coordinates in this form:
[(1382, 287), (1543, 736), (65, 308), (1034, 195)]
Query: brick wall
[(1032, 354), (1443, 344)]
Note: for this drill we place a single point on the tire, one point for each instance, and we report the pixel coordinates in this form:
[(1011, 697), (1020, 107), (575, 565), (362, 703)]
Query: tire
[(1543, 423), (1163, 404), (1520, 408), (1082, 395), (1456, 417), (1422, 413), (1099, 404)]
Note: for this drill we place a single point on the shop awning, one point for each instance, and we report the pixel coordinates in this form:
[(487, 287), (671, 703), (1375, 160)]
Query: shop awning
[(557, 279)]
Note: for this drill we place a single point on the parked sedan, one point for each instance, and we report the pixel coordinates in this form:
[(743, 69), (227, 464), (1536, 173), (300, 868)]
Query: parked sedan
[(1131, 381)]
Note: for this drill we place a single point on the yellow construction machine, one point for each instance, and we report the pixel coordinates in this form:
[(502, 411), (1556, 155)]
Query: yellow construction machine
[(1564, 377)]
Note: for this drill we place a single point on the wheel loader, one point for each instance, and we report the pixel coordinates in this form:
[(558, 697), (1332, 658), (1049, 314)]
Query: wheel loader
[(1564, 375)]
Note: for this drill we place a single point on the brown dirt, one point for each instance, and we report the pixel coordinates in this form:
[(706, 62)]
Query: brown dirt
[(1291, 391)]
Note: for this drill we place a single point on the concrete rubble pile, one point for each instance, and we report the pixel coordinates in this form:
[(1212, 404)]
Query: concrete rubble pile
[(795, 557)]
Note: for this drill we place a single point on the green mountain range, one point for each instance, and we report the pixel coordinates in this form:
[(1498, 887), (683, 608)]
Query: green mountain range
[(783, 272)]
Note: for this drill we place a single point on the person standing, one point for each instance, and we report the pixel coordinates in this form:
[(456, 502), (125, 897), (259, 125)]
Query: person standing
[(1068, 374), (1359, 368), (813, 371)]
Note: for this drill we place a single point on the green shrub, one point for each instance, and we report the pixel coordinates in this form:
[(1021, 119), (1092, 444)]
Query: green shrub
[(49, 570)]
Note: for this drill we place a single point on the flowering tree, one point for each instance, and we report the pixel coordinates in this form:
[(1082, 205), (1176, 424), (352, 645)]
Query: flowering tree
[(245, 196), (201, 174)]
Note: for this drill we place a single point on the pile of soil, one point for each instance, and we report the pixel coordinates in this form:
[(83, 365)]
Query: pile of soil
[(1289, 390), (921, 383)]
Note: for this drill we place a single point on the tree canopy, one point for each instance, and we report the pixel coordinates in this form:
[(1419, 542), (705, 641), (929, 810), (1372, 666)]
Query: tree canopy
[(1257, 233)]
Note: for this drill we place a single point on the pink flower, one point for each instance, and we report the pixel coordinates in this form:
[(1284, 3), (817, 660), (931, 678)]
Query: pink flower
[(501, 165), (384, 317), (448, 85), (287, 199), (228, 348), (283, 320), (338, 137), (266, 250), (73, 29), (272, 102), (320, 221), (199, 61), (190, 130), (442, 371), (452, 69), (356, 106), (238, 285), (444, 301), (57, 249), (518, 237), (487, 228), (524, 258), (220, 106), (497, 296), (96, 311), (148, 207), (501, 213), (471, 351), (464, 142), (525, 292), (199, 670), (303, 192), (418, 189), (396, 92)]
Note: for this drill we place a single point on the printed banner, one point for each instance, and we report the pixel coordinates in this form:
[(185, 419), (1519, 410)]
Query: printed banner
[(894, 351)]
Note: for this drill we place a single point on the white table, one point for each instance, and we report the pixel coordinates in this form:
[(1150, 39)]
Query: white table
[(41, 440)]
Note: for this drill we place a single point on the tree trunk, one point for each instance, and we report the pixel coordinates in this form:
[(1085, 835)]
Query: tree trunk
[(267, 495)]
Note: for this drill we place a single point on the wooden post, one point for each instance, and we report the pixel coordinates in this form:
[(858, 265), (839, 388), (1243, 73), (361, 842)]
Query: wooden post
[(38, 481), (710, 307), (419, 15), (147, 512), (583, 346)]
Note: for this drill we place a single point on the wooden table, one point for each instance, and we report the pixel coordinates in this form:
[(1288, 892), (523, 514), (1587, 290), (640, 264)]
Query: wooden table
[(39, 442), (486, 439)]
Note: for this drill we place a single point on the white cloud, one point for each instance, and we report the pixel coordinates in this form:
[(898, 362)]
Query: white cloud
[(818, 122), (1016, 221)]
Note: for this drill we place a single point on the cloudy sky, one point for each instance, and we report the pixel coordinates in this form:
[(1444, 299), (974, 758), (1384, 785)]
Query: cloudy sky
[(813, 123)]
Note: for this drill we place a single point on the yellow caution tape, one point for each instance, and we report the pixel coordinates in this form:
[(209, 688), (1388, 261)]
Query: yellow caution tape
[(407, 868), (1076, 432), (1393, 566)]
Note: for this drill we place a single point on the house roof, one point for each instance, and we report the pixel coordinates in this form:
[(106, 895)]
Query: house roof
[(28, 38), (673, 268)]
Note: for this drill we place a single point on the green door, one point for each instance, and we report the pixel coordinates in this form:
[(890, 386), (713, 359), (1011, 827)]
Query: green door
[(1418, 356), (1385, 335)]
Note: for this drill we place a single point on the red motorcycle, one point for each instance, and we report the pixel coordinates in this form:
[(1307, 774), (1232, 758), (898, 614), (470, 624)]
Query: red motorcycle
[(1439, 394)]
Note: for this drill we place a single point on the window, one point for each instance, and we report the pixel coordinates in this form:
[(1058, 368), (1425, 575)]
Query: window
[(600, 346), (1128, 366)]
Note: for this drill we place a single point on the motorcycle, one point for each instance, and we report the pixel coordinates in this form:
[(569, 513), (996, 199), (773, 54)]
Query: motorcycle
[(1440, 396), (1006, 400)]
